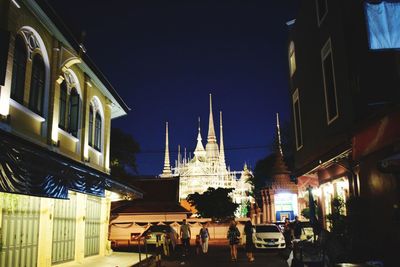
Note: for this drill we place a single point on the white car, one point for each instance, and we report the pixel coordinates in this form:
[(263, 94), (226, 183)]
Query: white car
[(167, 234), (268, 236)]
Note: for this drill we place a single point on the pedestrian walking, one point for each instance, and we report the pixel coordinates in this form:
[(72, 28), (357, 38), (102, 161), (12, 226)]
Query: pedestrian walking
[(205, 236), (287, 233), (233, 238), (198, 245), (296, 228), (185, 237), (249, 232)]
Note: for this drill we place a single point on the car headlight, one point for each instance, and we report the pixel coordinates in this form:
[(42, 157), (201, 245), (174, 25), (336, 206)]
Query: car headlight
[(259, 238), (282, 239)]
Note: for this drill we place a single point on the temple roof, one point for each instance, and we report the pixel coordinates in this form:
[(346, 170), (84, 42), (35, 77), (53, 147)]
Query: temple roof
[(145, 206)]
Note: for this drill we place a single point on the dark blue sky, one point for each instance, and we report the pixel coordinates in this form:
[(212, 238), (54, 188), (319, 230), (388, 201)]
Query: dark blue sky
[(165, 57)]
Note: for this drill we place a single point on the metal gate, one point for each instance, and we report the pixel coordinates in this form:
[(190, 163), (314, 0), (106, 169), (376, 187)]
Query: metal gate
[(64, 225), (92, 226), (19, 230)]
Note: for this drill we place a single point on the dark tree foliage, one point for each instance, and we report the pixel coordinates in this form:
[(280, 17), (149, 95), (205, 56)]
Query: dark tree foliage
[(123, 149), (287, 143), (262, 171), (214, 203), (262, 175)]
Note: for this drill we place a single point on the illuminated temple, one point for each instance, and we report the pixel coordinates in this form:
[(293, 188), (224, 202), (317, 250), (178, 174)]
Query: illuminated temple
[(207, 168)]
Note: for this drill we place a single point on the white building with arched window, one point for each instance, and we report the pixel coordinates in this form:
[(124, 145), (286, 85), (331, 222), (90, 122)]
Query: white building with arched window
[(56, 109)]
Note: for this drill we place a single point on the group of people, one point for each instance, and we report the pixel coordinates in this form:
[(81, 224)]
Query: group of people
[(233, 236), (291, 230), (201, 239)]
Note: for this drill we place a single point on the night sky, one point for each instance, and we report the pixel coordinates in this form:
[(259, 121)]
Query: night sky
[(165, 57)]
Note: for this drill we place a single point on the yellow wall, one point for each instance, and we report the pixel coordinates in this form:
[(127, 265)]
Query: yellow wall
[(44, 130), (60, 58), (46, 228)]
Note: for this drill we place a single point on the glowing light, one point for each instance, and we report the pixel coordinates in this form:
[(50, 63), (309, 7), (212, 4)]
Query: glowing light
[(86, 151), (16, 3), (115, 196), (328, 188), (4, 104), (286, 201), (316, 192)]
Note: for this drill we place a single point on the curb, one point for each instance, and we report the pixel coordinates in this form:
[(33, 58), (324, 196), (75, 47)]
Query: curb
[(149, 262)]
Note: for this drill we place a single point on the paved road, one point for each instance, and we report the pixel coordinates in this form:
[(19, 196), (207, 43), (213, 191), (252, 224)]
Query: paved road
[(219, 255)]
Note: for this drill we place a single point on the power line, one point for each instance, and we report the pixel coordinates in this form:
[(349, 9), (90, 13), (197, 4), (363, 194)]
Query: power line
[(226, 149)]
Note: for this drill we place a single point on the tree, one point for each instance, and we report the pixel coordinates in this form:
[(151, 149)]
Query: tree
[(214, 203), (263, 169), (123, 149), (262, 174)]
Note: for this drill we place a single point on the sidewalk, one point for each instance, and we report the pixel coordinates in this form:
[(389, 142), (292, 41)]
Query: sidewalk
[(120, 259)]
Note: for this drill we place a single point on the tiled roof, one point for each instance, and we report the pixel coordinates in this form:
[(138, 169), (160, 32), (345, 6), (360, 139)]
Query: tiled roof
[(144, 206)]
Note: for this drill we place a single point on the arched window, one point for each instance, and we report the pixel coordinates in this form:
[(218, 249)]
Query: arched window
[(19, 67), (97, 133), (91, 115), (96, 117), (73, 112), (292, 59), (36, 98), (69, 106), (62, 122)]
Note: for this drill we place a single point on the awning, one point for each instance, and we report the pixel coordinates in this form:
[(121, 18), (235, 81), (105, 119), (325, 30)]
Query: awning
[(30, 169)]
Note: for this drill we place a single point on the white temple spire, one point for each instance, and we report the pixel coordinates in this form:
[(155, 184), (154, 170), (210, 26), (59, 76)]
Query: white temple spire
[(221, 144), (179, 156), (199, 151), (212, 146), (211, 132), (278, 131), (184, 157), (167, 166)]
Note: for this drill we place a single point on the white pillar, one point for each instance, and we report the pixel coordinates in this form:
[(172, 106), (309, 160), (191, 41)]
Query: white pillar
[(5, 90), (80, 227), (45, 232)]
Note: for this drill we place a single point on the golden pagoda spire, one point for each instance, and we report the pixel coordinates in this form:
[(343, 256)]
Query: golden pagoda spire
[(167, 165)]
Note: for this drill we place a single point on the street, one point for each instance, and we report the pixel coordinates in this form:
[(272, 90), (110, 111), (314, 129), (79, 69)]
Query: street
[(219, 255)]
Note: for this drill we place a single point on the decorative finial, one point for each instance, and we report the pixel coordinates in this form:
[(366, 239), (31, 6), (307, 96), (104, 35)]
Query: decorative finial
[(167, 166), (279, 134), (199, 123), (221, 144)]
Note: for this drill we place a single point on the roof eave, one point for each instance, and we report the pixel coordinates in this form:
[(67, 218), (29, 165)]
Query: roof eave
[(53, 23)]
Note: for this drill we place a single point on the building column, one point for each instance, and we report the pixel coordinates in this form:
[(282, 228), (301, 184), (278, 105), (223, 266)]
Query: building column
[(52, 127), (253, 213), (85, 119), (105, 244), (5, 89), (45, 232), (80, 227), (264, 209), (107, 135), (273, 213), (258, 218)]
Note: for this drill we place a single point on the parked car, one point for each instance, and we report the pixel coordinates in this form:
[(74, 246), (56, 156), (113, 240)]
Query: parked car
[(166, 233), (268, 236), (307, 232), (306, 229)]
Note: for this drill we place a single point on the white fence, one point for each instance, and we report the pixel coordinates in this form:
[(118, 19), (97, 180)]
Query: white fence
[(123, 230)]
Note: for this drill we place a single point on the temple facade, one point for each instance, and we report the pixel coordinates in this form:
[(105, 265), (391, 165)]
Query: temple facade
[(207, 168)]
